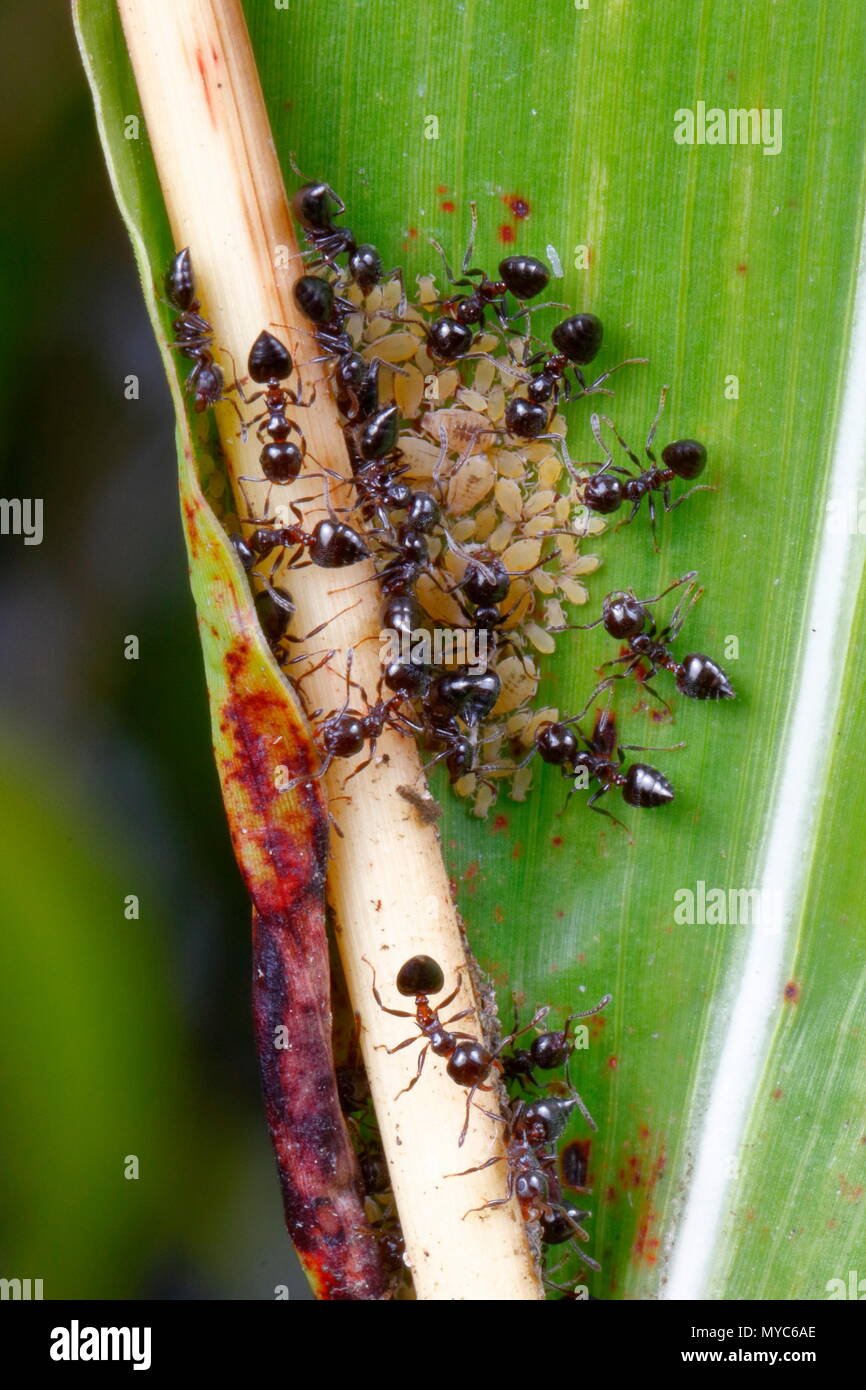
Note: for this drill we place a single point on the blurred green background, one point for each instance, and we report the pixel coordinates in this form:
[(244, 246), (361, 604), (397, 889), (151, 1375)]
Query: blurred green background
[(118, 1037)]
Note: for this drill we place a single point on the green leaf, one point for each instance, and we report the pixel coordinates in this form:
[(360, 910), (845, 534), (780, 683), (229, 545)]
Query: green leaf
[(729, 1160)]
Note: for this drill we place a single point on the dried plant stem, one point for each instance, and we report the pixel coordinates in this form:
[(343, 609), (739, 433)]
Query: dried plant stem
[(387, 882)]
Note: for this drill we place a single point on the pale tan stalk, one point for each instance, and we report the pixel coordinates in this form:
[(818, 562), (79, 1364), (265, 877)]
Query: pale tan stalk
[(208, 127)]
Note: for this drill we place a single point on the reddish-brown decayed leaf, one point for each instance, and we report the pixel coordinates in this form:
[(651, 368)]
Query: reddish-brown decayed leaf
[(280, 837)]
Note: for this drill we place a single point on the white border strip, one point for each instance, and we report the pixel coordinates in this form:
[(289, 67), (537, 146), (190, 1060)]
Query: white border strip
[(816, 682)]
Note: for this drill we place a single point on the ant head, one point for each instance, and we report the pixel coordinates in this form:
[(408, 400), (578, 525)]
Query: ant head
[(532, 1186), (315, 298), (550, 1050), (525, 419), (542, 386), (459, 758), (343, 736), (412, 545), (559, 1226), (556, 744), (623, 616), (486, 618), (244, 552), (269, 359), (471, 695), (314, 205), (549, 1114), (685, 457), (179, 282), (420, 975), (524, 276), (378, 435), (486, 581), (423, 512), (602, 494), (469, 1063), (208, 387), (365, 267), (447, 339), (352, 368), (578, 338)]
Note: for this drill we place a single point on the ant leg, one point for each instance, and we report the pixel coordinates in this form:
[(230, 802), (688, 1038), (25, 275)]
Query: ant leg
[(648, 748), (631, 516), (655, 424), (690, 598), (656, 696), (495, 1202), (449, 273), (417, 1077), (603, 811), (692, 574), (606, 684), (652, 517), (470, 248), (699, 487), (398, 1013), (595, 388), (453, 995), (540, 1013), (479, 1168)]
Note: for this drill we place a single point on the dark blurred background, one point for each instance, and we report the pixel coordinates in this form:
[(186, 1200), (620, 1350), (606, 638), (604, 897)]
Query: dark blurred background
[(125, 1045)]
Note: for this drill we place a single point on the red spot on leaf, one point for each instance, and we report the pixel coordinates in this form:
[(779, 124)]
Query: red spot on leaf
[(506, 233), (500, 823), (448, 206), (792, 992)]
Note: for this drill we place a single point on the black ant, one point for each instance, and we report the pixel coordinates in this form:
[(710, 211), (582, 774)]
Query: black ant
[(684, 458), (331, 544), (345, 732), (464, 693), (531, 1132), (194, 335), (625, 617), (559, 745), (270, 363), (548, 1052), (469, 1061), (315, 206), (486, 579), (577, 341), (450, 336)]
